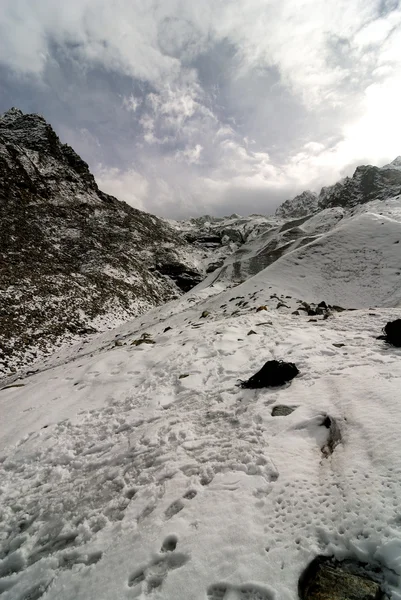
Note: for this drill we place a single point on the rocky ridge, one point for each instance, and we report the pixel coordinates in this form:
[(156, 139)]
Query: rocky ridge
[(71, 255), (367, 183)]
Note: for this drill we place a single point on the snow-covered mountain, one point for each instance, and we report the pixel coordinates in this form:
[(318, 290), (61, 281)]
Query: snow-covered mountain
[(367, 183), (72, 259), (301, 206), (135, 467), (132, 465)]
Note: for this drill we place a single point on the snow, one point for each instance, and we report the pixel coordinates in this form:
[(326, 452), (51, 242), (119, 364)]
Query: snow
[(122, 479), (357, 264)]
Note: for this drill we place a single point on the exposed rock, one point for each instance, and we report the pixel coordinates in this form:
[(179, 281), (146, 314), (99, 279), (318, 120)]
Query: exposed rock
[(392, 333), (326, 579), (367, 183), (302, 205), (334, 437), (69, 253), (282, 411), (214, 265), (274, 373)]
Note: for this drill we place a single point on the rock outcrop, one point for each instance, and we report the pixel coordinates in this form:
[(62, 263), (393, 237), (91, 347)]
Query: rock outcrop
[(70, 255)]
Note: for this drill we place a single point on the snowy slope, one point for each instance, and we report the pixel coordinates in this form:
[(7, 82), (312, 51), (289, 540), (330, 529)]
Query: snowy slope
[(144, 472), (260, 251), (358, 264)]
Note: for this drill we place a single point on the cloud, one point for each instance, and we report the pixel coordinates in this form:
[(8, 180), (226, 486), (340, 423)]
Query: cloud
[(128, 185), (202, 106)]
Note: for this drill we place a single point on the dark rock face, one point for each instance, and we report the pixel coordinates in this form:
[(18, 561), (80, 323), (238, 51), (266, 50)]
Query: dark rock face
[(326, 579), (68, 252), (367, 183)]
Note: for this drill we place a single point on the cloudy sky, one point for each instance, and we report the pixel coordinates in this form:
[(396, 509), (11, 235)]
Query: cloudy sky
[(186, 107)]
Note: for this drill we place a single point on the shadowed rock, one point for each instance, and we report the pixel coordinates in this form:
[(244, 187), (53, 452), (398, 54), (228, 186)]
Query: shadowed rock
[(392, 333), (273, 374)]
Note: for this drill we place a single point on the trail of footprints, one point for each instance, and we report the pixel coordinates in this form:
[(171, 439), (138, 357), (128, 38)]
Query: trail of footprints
[(153, 575)]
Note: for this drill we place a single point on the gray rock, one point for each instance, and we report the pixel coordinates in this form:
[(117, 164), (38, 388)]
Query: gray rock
[(329, 580), (282, 411)]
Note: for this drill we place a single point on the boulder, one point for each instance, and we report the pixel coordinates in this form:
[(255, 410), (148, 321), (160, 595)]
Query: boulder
[(273, 374), (392, 333)]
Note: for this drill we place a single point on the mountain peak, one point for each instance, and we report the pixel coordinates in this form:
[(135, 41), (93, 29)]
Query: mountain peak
[(302, 205), (10, 115), (395, 164)]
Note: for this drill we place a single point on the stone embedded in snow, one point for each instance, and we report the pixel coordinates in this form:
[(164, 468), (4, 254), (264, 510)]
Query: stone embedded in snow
[(324, 579), (392, 333), (334, 437), (282, 411), (273, 374)]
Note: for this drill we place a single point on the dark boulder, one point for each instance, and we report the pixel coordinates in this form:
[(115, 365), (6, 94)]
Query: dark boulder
[(273, 374), (392, 333)]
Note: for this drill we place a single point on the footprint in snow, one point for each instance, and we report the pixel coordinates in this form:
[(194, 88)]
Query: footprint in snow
[(152, 576), (178, 505), (223, 591)]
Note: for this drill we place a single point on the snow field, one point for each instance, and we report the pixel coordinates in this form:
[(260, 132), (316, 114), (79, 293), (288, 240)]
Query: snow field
[(119, 479)]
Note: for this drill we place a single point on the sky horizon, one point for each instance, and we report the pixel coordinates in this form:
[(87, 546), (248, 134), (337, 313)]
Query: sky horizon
[(183, 109)]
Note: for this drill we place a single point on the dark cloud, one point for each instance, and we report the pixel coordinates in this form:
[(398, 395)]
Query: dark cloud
[(182, 108)]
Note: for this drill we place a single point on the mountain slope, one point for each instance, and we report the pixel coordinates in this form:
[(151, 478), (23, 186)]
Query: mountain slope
[(358, 264), (71, 257), (143, 471)]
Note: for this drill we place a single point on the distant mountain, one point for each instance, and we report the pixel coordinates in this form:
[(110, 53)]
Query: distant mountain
[(302, 205), (367, 183), (72, 258)]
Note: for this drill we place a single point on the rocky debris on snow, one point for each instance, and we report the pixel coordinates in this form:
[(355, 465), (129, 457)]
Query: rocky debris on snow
[(327, 579), (274, 373), (205, 314), (144, 339), (260, 308), (282, 411), (392, 333), (334, 437), (71, 256)]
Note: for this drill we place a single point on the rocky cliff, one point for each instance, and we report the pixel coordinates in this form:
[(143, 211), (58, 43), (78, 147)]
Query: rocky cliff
[(71, 255), (367, 183)]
